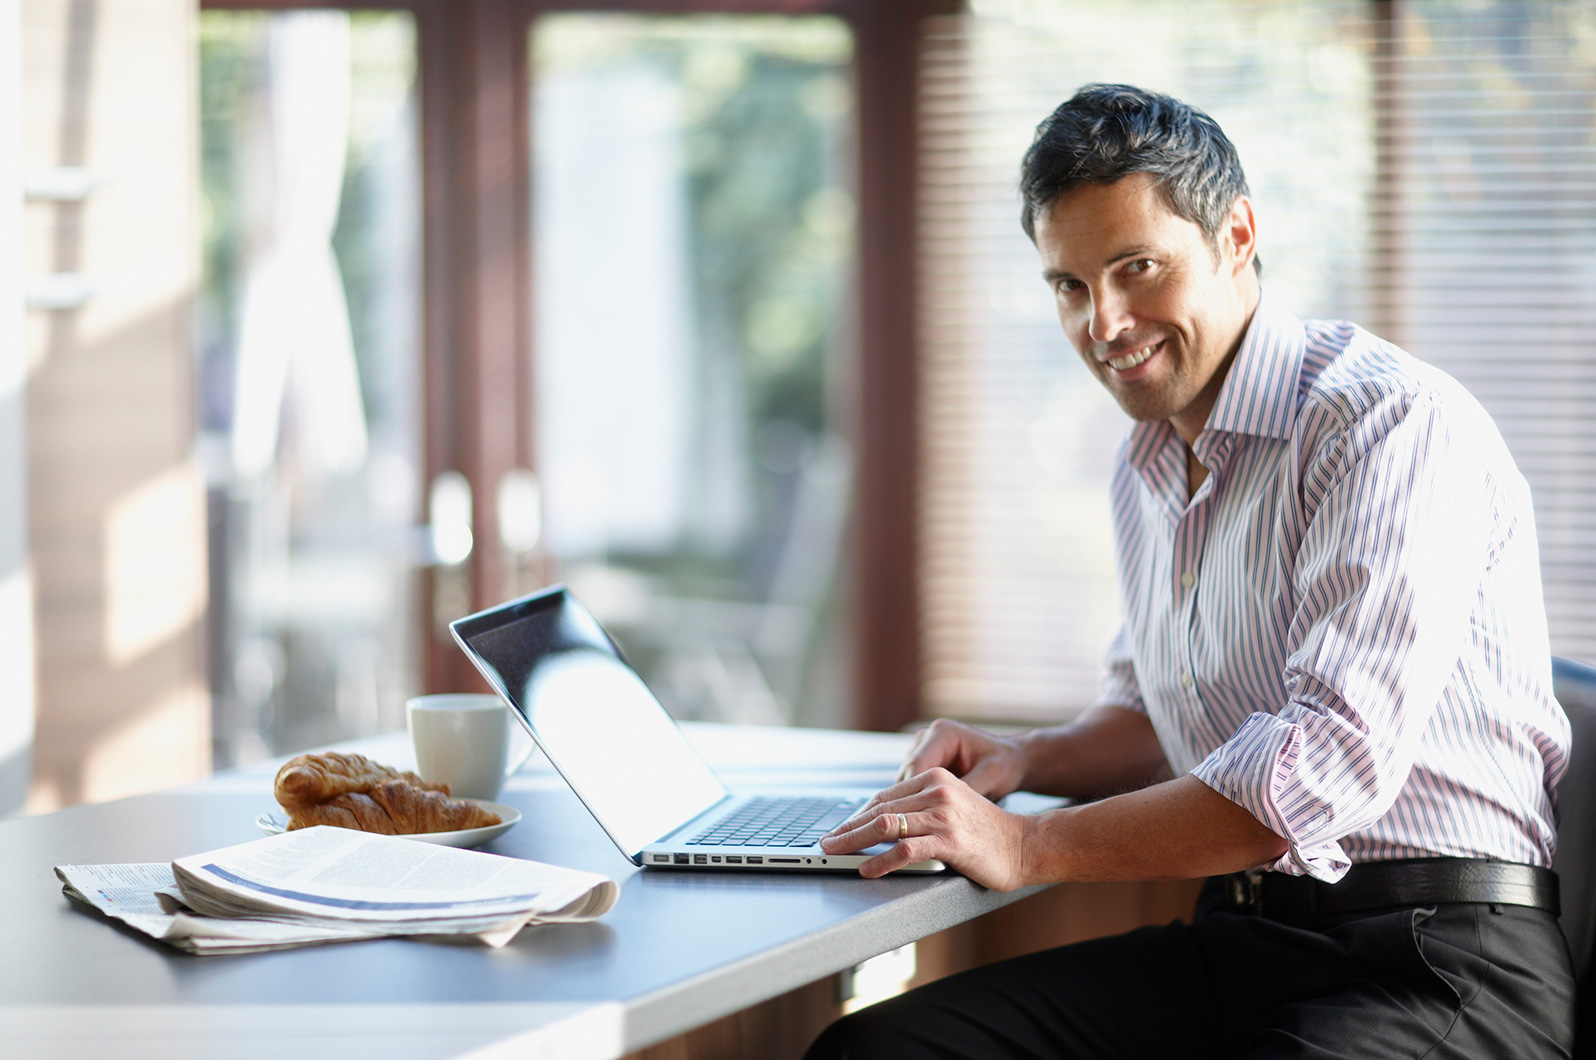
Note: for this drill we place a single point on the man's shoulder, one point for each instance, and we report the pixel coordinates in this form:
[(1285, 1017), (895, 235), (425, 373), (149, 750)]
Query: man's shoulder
[(1350, 374), (1347, 366), (1357, 383)]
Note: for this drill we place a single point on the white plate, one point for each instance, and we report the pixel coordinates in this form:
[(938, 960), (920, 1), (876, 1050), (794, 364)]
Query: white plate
[(272, 823)]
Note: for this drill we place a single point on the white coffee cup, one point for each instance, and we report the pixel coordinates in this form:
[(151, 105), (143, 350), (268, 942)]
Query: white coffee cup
[(462, 739)]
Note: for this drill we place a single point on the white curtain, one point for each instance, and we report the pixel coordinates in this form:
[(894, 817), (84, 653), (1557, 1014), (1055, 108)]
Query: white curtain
[(296, 361)]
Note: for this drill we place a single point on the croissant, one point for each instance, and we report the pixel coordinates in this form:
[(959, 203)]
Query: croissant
[(315, 778), (395, 807)]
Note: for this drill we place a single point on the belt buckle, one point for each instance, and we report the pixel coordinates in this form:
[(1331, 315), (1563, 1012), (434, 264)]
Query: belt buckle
[(1246, 890)]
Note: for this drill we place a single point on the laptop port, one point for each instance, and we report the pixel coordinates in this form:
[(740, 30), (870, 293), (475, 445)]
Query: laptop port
[(700, 859), (785, 861), (734, 859), (755, 861), (662, 859), (715, 859), (681, 859)]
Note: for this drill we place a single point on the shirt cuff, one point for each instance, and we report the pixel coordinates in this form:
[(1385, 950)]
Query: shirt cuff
[(1252, 769)]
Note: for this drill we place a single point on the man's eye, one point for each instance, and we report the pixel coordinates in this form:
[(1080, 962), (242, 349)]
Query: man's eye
[(1141, 264), (1065, 286)]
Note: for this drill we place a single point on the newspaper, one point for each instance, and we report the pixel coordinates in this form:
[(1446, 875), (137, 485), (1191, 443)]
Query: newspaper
[(319, 885)]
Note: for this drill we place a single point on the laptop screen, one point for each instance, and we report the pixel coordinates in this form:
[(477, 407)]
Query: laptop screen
[(592, 715)]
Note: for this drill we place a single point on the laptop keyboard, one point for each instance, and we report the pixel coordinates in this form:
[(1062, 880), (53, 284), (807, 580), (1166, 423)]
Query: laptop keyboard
[(797, 821)]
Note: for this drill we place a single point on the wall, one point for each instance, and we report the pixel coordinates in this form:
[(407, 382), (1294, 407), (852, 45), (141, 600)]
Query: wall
[(16, 595), (115, 502)]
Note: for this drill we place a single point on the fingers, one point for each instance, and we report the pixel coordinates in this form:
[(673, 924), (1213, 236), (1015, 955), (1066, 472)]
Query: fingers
[(935, 815), (890, 801), (991, 766), (874, 806), (938, 744), (922, 842), (893, 815), (916, 750), (867, 830), (900, 856)]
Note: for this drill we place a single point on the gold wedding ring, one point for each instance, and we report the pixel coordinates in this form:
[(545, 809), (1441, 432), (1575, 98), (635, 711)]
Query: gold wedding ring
[(903, 826)]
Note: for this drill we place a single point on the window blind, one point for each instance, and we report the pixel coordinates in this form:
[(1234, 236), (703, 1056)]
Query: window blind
[(1425, 169)]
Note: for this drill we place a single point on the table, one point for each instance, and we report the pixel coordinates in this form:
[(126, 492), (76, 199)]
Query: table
[(679, 950)]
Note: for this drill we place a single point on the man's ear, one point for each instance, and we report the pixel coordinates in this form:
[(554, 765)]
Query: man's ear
[(1241, 235)]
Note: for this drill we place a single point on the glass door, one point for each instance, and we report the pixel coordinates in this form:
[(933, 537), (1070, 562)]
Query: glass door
[(692, 224), (310, 373)]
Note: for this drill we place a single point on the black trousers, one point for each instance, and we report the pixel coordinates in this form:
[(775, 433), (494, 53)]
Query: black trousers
[(1459, 980)]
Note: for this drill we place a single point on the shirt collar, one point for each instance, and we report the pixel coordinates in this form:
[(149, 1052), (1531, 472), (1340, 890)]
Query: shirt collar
[(1259, 395)]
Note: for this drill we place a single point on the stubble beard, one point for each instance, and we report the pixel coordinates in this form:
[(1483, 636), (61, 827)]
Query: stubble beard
[(1151, 399)]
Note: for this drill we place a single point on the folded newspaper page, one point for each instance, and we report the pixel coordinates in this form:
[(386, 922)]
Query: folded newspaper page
[(129, 893), (332, 884)]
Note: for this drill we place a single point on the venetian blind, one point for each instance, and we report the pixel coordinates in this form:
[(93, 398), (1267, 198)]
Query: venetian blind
[(1426, 169)]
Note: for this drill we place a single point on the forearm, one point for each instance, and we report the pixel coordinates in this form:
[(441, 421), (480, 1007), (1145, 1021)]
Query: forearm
[(1110, 749), (1179, 829)]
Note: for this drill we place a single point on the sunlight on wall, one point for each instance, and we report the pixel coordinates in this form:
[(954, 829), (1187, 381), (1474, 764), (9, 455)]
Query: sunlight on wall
[(109, 157), (164, 740), (154, 565)]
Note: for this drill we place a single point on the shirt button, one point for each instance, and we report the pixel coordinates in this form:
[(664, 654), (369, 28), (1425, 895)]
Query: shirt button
[(1185, 680), (1188, 579)]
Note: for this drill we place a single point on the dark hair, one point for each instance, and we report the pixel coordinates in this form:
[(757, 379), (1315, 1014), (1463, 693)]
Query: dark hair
[(1107, 132)]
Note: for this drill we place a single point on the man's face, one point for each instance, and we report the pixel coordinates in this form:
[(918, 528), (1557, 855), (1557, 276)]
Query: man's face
[(1154, 309)]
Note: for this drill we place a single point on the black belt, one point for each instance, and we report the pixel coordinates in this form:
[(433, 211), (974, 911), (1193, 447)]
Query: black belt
[(1390, 884)]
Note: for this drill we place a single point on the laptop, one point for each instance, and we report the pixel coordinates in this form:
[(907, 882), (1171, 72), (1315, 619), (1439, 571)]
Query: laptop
[(624, 757)]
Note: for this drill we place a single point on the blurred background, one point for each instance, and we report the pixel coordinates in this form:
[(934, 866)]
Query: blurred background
[(322, 327)]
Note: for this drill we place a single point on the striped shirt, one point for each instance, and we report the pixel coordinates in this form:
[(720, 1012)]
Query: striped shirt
[(1343, 630)]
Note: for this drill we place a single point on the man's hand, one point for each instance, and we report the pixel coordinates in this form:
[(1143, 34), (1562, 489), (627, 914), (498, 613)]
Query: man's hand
[(990, 765), (947, 820), (1174, 829)]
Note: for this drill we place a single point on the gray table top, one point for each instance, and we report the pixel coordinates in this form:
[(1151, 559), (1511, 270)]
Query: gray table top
[(677, 951)]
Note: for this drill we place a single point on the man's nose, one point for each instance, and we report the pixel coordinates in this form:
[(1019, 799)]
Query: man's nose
[(1110, 315)]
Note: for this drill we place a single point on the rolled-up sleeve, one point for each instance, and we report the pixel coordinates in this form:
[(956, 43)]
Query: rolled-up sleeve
[(1118, 685), (1390, 508)]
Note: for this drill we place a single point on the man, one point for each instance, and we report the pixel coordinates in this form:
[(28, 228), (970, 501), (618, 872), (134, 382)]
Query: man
[(1332, 684)]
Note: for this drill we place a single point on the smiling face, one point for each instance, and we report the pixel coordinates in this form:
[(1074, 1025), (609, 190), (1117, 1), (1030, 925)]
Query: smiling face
[(1155, 310)]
